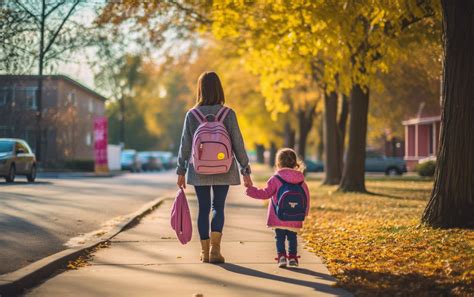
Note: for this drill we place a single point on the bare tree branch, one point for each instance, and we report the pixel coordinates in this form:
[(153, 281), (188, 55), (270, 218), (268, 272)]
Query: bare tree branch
[(191, 13), (61, 26), (54, 8), (27, 11)]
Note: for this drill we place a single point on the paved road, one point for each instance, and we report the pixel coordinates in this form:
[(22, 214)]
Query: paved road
[(37, 220)]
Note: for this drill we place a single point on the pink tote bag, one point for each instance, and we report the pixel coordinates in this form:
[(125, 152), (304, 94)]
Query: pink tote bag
[(181, 218)]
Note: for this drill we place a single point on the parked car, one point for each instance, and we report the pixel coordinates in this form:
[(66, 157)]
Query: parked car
[(314, 166), (129, 161), (16, 158), (374, 162), (166, 158), (149, 161)]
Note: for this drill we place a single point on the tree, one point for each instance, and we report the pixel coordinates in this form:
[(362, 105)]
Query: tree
[(349, 40), (194, 16), (353, 176), (284, 43), (334, 129), (163, 100), (41, 36), (152, 25), (241, 91), (382, 32), (414, 80), (271, 51), (452, 199), (120, 76)]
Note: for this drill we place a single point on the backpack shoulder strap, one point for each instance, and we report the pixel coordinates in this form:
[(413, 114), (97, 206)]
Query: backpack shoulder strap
[(285, 182), (281, 179), (222, 113), (198, 115)]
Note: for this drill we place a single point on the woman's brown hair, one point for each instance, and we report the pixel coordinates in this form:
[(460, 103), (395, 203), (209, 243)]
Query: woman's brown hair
[(287, 158), (209, 89)]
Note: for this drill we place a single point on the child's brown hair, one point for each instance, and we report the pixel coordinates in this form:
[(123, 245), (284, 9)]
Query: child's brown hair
[(287, 158)]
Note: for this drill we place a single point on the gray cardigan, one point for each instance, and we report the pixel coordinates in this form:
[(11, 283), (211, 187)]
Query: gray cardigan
[(232, 176)]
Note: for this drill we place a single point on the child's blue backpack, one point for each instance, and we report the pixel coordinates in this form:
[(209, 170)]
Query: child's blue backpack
[(291, 201)]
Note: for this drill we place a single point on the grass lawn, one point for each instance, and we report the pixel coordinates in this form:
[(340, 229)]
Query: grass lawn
[(374, 244)]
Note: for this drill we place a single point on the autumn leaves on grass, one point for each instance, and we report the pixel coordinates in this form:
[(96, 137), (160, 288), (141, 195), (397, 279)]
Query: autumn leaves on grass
[(374, 244)]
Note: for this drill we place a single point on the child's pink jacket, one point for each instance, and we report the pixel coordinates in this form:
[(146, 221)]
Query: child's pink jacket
[(273, 184)]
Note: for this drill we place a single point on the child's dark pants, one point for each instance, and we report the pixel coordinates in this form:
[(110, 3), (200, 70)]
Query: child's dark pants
[(203, 194), (281, 235)]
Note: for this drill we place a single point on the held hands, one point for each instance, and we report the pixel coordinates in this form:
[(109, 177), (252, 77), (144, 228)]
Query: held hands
[(248, 181), (181, 181)]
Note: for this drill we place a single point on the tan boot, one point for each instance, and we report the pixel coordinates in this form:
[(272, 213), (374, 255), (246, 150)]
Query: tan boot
[(215, 252), (205, 251)]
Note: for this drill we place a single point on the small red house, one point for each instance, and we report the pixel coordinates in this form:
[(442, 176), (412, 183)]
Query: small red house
[(421, 138)]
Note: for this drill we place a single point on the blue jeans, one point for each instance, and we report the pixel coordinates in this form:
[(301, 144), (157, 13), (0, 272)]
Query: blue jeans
[(281, 235), (205, 203)]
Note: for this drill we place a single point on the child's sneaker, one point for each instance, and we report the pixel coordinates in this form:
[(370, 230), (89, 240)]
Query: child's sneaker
[(281, 260), (293, 260)]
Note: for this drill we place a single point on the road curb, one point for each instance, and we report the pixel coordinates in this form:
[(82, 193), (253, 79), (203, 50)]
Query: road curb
[(16, 282)]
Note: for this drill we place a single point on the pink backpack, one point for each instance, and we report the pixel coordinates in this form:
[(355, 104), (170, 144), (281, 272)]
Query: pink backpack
[(181, 218), (211, 149)]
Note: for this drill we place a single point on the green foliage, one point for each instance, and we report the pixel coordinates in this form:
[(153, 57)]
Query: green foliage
[(163, 101), (155, 102), (136, 135), (426, 169)]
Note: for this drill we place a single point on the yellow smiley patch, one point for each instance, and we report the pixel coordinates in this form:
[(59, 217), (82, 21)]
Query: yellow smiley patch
[(220, 156)]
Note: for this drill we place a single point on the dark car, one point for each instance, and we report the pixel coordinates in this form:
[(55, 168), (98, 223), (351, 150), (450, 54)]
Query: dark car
[(374, 162), (166, 159), (149, 161), (16, 158), (314, 166), (129, 161)]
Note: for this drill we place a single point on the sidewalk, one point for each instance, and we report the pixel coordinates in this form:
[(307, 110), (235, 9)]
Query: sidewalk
[(147, 260)]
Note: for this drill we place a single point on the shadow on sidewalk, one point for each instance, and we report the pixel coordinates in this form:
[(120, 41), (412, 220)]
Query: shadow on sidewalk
[(256, 273)]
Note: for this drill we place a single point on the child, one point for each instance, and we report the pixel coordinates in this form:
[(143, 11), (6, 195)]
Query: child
[(289, 204)]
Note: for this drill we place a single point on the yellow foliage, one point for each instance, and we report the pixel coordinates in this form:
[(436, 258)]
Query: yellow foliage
[(242, 92), (337, 43)]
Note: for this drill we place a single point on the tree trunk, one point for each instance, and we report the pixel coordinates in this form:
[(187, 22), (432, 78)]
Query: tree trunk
[(273, 151), (353, 177), (452, 199), (122, 122), (332, 162), (342, 129), (305, 123), (320, 144), (289, 135), (260, 151), (39, 91)]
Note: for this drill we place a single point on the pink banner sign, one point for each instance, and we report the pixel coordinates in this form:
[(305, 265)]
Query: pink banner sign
[(100, 141)]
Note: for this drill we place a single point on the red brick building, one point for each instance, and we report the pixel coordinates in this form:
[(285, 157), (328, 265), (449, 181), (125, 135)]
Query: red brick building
[(69, 109)]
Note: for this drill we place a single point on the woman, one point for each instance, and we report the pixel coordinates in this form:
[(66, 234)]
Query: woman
[(209, 100)]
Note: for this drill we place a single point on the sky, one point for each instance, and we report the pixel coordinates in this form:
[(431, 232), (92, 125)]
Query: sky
[(80, 68), (78, 65)]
